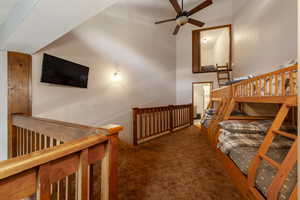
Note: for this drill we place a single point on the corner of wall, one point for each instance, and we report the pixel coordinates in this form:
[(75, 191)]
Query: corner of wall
[(3, 105)]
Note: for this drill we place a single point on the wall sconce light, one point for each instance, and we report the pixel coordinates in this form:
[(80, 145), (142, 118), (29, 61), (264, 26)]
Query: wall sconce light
[(204, 41), (116, 76)]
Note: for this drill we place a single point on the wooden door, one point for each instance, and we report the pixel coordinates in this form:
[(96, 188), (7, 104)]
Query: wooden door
[(19, 89)]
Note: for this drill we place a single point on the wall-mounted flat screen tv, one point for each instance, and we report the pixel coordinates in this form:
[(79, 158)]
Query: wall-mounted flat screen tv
[(62, 72)]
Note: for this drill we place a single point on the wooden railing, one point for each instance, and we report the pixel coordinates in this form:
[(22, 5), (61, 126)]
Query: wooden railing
[(282, 82), (149, 123), (58, 160), (223, 92)]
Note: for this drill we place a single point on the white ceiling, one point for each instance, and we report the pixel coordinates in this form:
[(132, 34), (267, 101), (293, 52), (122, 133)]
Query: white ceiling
[(5, 8), (155, 10), (19, 26)]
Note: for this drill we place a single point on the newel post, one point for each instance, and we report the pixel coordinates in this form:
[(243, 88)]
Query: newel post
[(191, 114), (109, 169), (135, 112)]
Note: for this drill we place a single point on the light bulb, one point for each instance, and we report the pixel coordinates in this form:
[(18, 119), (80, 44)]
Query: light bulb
[(116, 76), (204, 41)]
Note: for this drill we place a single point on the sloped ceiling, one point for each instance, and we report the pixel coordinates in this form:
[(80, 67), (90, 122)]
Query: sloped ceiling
[(154, 10), (41, 22), (6, 6)]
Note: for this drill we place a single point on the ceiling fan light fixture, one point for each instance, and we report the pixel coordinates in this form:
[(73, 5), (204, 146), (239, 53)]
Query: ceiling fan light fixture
[(182, 20)]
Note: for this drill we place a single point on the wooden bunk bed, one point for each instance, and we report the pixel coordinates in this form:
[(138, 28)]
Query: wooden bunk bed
[(278, 87), (220, 98)]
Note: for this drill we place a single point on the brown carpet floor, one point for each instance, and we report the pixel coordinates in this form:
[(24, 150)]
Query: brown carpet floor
[(178, 166)]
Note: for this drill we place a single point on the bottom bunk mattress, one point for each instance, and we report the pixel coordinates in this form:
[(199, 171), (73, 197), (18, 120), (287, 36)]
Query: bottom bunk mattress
[(243, 156)]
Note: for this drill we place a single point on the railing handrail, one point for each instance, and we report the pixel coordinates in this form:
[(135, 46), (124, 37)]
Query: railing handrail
[(161, 107), (50, 164), (291, 68), (60, 130), (19, 164)]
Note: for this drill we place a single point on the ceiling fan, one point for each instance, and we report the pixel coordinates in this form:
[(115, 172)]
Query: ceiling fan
[(183, 16)]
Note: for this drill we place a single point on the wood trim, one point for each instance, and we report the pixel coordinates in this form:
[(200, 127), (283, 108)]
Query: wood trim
[(196, 48), (196, 52), (263, 99), (250, 117), (193, 95)]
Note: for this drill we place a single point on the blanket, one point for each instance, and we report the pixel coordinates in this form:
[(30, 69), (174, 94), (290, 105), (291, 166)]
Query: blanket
[(229, 140)]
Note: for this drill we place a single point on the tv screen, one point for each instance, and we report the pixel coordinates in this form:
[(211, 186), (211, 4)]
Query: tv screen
[(59, 71)]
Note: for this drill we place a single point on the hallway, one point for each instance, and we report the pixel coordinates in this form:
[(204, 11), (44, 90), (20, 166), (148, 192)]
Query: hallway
[(178, 166)]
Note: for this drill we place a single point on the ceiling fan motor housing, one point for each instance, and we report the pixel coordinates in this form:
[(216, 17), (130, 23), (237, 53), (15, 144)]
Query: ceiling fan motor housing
[(183, 17), (182, 20)]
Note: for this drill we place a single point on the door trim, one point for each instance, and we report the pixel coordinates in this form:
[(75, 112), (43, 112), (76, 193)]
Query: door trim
[(204, 82)]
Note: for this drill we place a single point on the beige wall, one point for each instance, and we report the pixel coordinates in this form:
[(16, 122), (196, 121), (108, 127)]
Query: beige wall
[(144, 53), (265, 35)]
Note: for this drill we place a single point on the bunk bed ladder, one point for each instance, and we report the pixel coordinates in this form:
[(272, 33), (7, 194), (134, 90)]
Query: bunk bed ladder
[(288, 163), (223, 75)]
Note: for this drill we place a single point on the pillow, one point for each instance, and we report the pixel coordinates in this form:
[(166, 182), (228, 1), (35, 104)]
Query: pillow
[(239, 126), (238, 113)]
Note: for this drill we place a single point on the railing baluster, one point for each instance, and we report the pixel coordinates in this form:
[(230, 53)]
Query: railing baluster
[(283, 84), (276, 84), (153, 122)]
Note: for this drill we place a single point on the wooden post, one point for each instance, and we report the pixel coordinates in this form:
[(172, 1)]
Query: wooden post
[(15, 144), (191, 114), (82, 181), (43, 183), (135, 112), (109, 163), (171, 108)]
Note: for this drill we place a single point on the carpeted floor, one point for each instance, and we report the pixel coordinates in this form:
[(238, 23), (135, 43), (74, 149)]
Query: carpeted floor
[(178, 166)]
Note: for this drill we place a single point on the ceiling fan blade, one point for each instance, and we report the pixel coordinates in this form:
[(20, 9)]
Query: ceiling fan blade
[(176, 6), (163, 21), (196, 22), (176, 30), (200, 7)]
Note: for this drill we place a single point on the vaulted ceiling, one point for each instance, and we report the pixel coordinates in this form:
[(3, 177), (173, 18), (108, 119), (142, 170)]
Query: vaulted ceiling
[(6, 6), (17, 31)]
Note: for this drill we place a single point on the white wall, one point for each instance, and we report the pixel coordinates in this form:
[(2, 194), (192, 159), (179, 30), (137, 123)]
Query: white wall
[(145, 54), (221, 48), (265, 35), (184, 75), (3, 105), (220, 13), (207, 55)]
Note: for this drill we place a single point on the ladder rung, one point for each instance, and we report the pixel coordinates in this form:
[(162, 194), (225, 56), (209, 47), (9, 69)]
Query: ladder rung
[(285, 134), (269, 160), (223, 78)]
